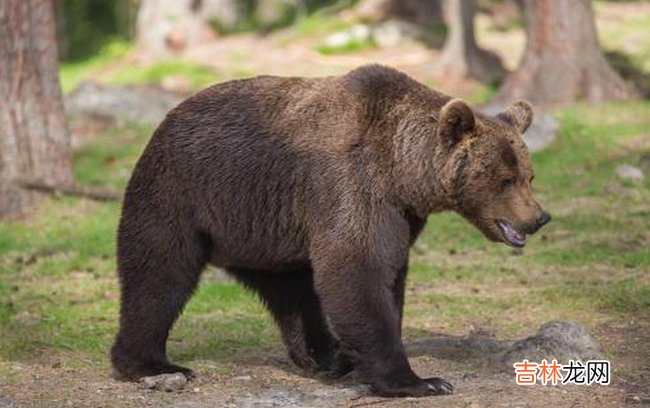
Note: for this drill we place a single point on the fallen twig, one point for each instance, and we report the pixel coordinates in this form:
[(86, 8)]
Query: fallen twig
[(79, 190)]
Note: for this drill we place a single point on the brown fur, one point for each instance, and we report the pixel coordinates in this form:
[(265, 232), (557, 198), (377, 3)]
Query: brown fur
[(310, 192)]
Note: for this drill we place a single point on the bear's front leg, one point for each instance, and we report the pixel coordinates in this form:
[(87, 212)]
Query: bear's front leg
[(356, 292)]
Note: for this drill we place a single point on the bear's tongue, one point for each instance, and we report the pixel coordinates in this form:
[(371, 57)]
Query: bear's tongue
[(511, 236)]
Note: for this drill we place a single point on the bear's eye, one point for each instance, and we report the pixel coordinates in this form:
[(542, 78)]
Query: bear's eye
[(507, 183)]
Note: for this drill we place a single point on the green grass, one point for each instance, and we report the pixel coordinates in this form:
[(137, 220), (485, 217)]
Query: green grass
[(199, 76), (354, 45), (72, 73), (482, 95), (111, 156), (109, 67), (318, 25)]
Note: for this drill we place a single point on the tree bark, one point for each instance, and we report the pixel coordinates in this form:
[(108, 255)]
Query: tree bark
[(416, 11), (34, 140), (461, 55), (562, 61)]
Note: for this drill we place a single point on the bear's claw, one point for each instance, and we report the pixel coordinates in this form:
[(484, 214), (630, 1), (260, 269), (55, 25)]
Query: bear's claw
[(438, 386)]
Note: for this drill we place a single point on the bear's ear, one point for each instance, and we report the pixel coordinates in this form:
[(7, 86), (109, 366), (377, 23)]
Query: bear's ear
[(456, 118), (519, 115)]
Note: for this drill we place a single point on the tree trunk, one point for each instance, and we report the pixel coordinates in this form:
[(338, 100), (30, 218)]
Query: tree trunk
[(34, 141), (562, 61), (417, 11), (168, 27), (461, 56)]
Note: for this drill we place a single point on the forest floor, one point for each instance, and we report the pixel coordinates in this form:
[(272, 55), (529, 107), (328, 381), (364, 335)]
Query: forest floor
[(591, 265)]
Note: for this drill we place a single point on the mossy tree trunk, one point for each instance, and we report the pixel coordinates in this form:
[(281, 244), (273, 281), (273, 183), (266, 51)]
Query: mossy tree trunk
[(34, 141), (562, 61)]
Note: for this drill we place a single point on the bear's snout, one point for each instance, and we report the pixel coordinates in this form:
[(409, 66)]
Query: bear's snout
[(538, 222), (543, 219)]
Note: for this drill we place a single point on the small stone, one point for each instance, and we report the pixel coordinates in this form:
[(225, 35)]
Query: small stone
[(358, 32), (165, 382), (637, 399), (395, 32), (338, 40), (629, 173), (214, 274), (469, 376), (6, 402)]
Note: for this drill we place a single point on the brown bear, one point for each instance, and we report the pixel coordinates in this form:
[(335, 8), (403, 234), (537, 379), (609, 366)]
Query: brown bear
[(310, 192)]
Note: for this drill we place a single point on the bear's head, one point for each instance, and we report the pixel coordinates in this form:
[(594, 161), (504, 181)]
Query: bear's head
[(488, 170)]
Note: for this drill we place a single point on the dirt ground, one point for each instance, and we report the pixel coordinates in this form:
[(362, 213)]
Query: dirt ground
[(269, 380)]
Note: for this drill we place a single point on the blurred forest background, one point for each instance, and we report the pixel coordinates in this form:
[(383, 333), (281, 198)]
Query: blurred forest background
[(83, 83)]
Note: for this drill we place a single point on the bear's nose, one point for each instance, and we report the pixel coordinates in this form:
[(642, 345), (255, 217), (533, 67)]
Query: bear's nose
[(543, 219)]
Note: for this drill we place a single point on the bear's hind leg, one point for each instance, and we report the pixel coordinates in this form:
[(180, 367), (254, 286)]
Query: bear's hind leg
[(291, 299), (159, 268)]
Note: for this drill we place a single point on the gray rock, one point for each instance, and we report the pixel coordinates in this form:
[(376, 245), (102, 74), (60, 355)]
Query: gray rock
[(214, 274), (138, 104), (558, 340), (165, 382), (629, 173), (392, 33), (541, 132), (637, 399), (356, 33), (6, 402), (389, 33)]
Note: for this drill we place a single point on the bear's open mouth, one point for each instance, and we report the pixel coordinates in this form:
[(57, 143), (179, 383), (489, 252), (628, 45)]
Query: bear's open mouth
[(510, 235)]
